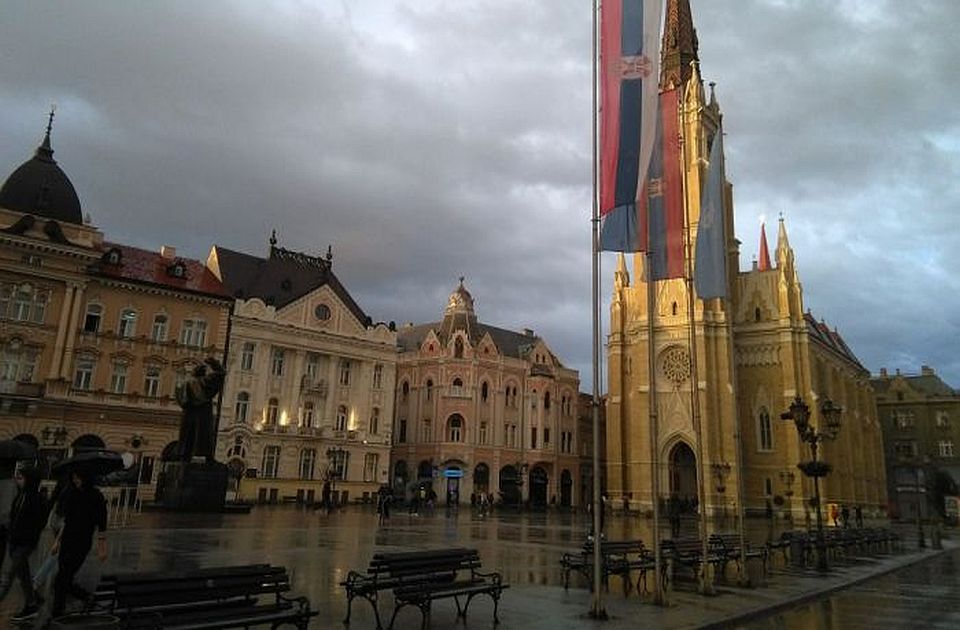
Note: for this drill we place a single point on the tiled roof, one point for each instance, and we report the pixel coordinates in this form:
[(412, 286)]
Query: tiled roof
[(831, 339), (929, 384), (149, 267), (281, 279), (509, 343)]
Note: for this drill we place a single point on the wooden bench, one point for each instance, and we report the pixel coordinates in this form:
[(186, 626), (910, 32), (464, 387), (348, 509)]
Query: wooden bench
[(688, 552), (616, 558), (418, 578), (207, 599), (727, 546)]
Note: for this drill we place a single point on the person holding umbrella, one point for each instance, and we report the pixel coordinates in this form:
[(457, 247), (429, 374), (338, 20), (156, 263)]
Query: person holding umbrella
[(84, 513), (26, 523), (10, 452)]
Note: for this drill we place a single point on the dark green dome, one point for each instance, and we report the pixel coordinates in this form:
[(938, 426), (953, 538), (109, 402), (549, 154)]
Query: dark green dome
[(41, 188)]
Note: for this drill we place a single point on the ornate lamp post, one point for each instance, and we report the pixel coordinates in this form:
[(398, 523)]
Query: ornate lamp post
[(830, 415)]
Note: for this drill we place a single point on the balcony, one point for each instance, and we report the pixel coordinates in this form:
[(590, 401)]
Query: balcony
[(313, 385)]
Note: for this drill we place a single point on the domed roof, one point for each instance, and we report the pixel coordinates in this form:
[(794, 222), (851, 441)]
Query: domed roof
[(39, 187), (460, 300)]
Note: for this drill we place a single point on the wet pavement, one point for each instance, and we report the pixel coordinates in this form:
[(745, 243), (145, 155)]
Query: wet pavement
[(320, 549)]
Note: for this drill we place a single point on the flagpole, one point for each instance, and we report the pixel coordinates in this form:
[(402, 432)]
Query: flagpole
[(705, 587), (597, 610), (659, 593)]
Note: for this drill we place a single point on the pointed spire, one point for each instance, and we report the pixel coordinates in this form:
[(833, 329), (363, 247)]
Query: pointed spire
[(784, 251), (45, 150), (679, 44), (621, 277), (273, 239), (764, 263)]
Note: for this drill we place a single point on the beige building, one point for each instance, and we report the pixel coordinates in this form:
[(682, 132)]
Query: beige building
[(483, 410), (755, 351), (920, 416), (95, 335), (310, 379)]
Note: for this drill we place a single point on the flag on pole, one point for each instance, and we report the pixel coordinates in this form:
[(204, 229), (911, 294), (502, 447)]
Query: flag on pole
[(710, 270), (629, 83), (661, 208)]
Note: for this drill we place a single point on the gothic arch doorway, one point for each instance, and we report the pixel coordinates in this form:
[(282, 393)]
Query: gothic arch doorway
[(683, 473)]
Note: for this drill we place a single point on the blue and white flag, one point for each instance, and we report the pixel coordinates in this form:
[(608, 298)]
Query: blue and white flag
[(710, 270)]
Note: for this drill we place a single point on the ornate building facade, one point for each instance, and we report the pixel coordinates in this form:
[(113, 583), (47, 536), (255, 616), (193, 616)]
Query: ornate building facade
[(310, 379), (755, 351), (483, 410), (920, 416), (94, 335)]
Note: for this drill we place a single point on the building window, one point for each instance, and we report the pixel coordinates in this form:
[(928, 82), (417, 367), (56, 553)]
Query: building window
[(404, 391), (457, 387), (17, 365), (546, 402), (905, 449), (308, 414), (533, 437), (23, 303), (91, 322), (402, 431), (271, 461), (768, 486), (151, 382), (378, 376), (247, 353), (484, 392), (313, 365), (370, 463), (273, 411), (159, 330), (546, 437), (429, 389), (482, 437), (345, 372), (458, 348), (193, 333), (308, 462), (339, 464), (946, 448), (277, 360), (118, 380), (375, 421), (341, 424), (943, 419), (454, 428), (764, 431), (903, 419), (425, 433), (241, 410), (128, 324)]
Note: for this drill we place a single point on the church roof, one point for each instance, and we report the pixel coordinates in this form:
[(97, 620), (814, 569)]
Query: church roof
[(508, 342), (41, 188), (679, 44), (142, 266), (930, 385), (831, 339), (282, 278)]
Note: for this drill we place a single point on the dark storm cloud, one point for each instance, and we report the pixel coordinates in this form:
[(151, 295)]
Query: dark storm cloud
[(429, 139)]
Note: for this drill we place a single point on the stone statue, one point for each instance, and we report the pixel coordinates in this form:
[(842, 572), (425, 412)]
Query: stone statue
[(198, 424)]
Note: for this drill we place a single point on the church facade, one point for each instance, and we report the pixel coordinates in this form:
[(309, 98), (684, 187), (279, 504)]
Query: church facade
[(733, 365)]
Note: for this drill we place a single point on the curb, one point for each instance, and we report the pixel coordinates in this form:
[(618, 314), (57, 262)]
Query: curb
[(766, 611)]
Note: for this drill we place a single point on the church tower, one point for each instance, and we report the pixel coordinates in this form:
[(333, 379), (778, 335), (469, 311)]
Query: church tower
[(693, 436), (723, 370)]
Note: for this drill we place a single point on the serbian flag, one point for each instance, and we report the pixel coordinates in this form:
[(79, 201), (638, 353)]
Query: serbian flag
[(710, 273), (661, 221), (629, 83)]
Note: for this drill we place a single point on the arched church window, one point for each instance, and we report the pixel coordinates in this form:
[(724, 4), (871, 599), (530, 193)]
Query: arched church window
[(458, 348), (764, 430), (756, 314), (673, 309)]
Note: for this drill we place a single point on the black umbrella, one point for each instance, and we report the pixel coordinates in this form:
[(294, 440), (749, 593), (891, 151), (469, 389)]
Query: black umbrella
[(92, 462), (15, 449)]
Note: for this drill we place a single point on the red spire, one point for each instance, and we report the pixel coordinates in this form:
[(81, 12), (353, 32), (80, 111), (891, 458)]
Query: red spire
[(764, 264)]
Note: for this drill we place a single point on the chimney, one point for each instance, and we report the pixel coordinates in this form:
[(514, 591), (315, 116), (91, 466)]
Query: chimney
[(883, 372), (528, 332), (168, 252), (926, 370)]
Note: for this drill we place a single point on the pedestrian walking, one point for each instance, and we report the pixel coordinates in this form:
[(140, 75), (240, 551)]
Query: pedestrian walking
[(54, 523), (27, 515), (84, 513), (383, 503), (8, 491), (858, 514), (845, 516)]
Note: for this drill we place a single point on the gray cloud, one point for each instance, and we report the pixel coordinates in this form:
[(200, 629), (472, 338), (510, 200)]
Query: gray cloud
[(432, 139)]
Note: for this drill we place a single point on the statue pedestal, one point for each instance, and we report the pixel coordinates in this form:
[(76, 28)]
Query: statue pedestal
[(194, 487)]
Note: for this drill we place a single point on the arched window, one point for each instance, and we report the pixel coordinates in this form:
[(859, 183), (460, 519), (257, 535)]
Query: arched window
[(756, 314), (128, 323), (273, 411), (457, 387), (159, 330), (341, 423), (455, 428), (375, 421), (426, 433), (484, 391), (546, 401), (345, 372), (241, 410), (764, 431), (404, 391), (91, 322), (458, 348), (673, 308), (308, 409), (429, 389)]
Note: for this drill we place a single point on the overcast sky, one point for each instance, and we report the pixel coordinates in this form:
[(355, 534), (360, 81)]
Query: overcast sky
[(430, 139)]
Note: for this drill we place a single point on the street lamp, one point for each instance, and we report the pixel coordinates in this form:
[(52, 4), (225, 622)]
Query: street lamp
[(830, 415)]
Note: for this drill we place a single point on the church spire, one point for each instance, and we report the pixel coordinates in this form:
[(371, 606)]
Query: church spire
[(764, 264), (784, 251), (679, 44)]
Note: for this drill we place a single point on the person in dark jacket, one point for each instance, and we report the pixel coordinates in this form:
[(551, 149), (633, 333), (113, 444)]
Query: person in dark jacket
[(27, 520), (84, 513)]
